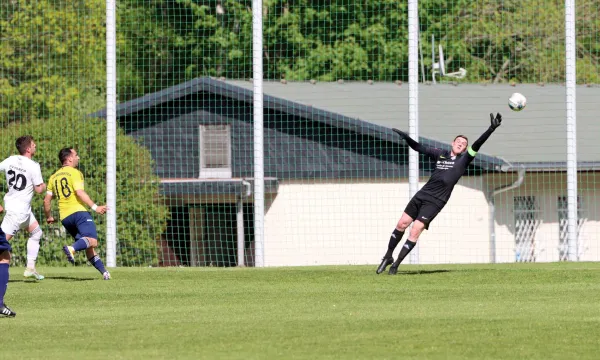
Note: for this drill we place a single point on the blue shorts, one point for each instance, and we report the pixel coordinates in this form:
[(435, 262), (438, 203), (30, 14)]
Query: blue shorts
[(4, 244), (80, 224)]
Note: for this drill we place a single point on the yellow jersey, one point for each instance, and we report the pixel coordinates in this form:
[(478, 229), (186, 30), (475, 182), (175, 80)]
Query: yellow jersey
[(62, 185)]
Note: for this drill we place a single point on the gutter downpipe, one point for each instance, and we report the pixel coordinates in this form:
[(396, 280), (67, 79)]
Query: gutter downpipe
[(491, 196), (241, 252)]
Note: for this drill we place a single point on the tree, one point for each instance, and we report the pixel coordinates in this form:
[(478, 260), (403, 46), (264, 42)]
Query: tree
[(52, 74), (356, 40), (47, 48), (166, 42), (353, 40), (141, 213)]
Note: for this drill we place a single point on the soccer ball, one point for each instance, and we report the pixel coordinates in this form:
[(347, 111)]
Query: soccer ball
[(517, 102)]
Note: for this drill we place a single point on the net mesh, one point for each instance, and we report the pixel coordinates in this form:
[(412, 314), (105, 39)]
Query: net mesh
[(336, 176), (51, 76)]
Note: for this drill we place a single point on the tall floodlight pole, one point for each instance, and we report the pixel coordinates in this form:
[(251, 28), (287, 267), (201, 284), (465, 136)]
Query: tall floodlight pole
[(413, 103), (259, 172), (111, 133), (571, 57)]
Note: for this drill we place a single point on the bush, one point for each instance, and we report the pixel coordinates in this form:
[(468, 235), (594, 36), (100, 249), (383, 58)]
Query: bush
[(141, 213)]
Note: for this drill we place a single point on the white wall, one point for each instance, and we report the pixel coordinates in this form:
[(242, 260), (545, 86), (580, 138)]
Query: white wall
[(351, 222), (460, 233), (547, 187), (328, 223)]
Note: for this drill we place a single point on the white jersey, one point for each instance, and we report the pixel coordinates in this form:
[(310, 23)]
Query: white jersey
[(22, 174)]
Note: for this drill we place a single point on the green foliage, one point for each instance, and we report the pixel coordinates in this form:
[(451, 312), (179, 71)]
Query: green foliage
[(500, 42), (141, 217), (53, 73), (343, 40), (163, 43), (352, 40), (47, 47)]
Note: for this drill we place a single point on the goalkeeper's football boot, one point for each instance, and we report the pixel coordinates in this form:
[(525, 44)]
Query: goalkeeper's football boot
[(70, 252), (384, 264), (32, 273), (394, 267), (106, 275), (5, 311)]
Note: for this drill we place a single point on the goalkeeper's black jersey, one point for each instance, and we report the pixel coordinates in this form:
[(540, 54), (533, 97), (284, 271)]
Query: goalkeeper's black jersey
[(448, 170)]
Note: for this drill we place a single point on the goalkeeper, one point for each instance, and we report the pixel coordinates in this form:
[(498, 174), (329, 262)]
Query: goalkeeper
[(431, 199)]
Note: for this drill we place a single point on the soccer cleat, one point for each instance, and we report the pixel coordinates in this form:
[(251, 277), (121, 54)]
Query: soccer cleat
[(33, 274), (106, 275), (70, 252), (384, 264), (393, 269), (5, 311)]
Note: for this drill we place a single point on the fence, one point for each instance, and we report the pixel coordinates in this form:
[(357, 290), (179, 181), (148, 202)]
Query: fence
[(160, 99)]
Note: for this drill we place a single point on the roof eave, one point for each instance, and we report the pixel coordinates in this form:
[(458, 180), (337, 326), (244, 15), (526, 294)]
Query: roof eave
[(549, 166)]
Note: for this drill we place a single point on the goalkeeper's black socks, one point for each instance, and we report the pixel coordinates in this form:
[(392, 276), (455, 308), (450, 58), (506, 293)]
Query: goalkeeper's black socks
[(408, 246), (394, 240)]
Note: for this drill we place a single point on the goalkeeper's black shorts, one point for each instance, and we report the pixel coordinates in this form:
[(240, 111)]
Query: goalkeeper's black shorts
[(424, 208)]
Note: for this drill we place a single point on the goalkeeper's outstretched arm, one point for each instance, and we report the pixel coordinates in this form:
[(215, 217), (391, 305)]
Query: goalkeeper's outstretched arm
[(412, 143), (494, 123), (421, 149)]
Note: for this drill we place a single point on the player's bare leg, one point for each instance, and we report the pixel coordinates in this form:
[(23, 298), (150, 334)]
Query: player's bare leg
[(415, 232), (403, 223), (33, 248)]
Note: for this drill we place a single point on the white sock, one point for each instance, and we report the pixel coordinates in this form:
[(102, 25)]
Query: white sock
[(33, 248)]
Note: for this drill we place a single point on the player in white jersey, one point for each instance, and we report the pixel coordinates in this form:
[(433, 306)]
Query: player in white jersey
[(23, 177)]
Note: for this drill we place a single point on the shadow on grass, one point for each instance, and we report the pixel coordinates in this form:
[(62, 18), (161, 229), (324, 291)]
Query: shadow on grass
[(65, 278), (69, 278), (422, 272)]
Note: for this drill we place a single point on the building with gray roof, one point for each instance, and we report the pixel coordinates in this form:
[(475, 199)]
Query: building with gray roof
[(336, 175)]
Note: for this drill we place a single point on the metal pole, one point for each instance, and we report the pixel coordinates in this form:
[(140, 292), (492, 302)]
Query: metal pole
[(570, 39), (413, 103), (111, 134), (259, 179)]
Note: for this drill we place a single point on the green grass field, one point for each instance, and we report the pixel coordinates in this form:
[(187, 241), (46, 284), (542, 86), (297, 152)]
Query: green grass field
[(530, 311)]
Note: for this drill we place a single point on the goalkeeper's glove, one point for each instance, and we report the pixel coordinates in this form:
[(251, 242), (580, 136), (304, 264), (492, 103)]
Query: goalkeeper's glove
[(495, 121)]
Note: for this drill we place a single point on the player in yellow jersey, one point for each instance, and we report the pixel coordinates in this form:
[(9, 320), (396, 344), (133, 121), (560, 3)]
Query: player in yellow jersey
[(66, 185)]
